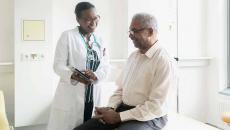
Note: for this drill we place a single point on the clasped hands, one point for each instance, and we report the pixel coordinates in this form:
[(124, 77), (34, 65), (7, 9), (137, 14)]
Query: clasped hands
[(107, 115), (88, 73)]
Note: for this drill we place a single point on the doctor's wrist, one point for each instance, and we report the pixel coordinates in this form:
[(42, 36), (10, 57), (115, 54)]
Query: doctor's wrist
[(95, 78)]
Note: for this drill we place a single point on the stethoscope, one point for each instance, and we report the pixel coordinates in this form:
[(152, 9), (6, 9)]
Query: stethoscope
[(89, 49), (87, 46)]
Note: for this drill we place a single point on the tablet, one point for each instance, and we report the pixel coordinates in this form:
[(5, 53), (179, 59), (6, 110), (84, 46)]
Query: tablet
[(82, 75)]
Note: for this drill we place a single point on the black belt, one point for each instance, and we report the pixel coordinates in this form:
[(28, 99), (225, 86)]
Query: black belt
[(124, 107)]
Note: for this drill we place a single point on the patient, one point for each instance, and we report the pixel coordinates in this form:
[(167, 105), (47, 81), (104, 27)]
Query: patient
[(139, 103)]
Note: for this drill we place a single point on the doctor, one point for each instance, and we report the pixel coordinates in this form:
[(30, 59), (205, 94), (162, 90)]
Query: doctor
[(83, 49)]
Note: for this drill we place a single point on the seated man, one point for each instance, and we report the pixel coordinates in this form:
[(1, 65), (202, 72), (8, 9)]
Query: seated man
[(139, 103)]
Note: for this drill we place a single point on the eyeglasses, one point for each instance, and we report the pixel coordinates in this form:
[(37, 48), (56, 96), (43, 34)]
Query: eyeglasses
[(132, 32), (89, 20)]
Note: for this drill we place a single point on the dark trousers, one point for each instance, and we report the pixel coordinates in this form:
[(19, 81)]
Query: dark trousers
[(95, 124), (88, 111)]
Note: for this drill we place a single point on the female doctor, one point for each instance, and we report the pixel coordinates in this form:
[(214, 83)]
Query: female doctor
[(83, 49)]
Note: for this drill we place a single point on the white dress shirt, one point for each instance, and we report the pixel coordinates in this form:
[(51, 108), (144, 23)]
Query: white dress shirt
[(144, 83)]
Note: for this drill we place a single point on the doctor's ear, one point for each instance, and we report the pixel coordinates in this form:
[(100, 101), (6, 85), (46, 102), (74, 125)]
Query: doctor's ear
[(77, 19)]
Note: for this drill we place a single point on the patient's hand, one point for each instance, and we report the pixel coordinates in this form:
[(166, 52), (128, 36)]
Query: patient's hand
[(107, 115), (102, 109), (99, 111), (111, 117)]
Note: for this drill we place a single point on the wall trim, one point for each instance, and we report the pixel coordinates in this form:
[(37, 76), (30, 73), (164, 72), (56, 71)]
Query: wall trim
[(194, 62), (6, 67)]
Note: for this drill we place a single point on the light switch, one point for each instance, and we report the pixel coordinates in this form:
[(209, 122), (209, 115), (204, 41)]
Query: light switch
[(33, 30), (28, 57)]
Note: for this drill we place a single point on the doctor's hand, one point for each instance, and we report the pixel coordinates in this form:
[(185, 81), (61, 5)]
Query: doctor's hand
[(76, 76), (90, 74)]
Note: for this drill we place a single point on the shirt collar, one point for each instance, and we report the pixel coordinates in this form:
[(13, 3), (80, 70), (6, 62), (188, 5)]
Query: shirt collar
[(91, 36), (152, 49)]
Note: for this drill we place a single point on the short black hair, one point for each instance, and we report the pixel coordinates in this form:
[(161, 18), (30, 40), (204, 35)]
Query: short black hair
[(81, 7)]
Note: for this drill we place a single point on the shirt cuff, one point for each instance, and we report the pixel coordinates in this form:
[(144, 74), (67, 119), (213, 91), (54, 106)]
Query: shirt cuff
[(126, 116), (111, 105)]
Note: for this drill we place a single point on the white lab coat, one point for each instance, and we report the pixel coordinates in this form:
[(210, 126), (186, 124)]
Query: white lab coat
[(68, 106)]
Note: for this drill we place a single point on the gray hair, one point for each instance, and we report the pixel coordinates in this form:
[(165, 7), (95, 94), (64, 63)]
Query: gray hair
[(146, 20)]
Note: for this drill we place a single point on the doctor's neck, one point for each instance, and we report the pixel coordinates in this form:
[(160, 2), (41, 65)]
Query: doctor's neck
[(84, 33)]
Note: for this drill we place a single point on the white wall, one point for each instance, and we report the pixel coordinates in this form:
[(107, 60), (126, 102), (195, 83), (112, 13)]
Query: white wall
[(191, 28), (192, 45), (33, 78)]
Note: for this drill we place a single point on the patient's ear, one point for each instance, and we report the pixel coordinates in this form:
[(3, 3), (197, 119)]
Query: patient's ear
[(151, 31)]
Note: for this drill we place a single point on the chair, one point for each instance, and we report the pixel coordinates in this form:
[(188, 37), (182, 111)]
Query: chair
[(226, 117), (4, 125)]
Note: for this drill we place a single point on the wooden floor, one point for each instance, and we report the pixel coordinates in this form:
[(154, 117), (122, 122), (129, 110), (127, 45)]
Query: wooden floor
[(179, 122)]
